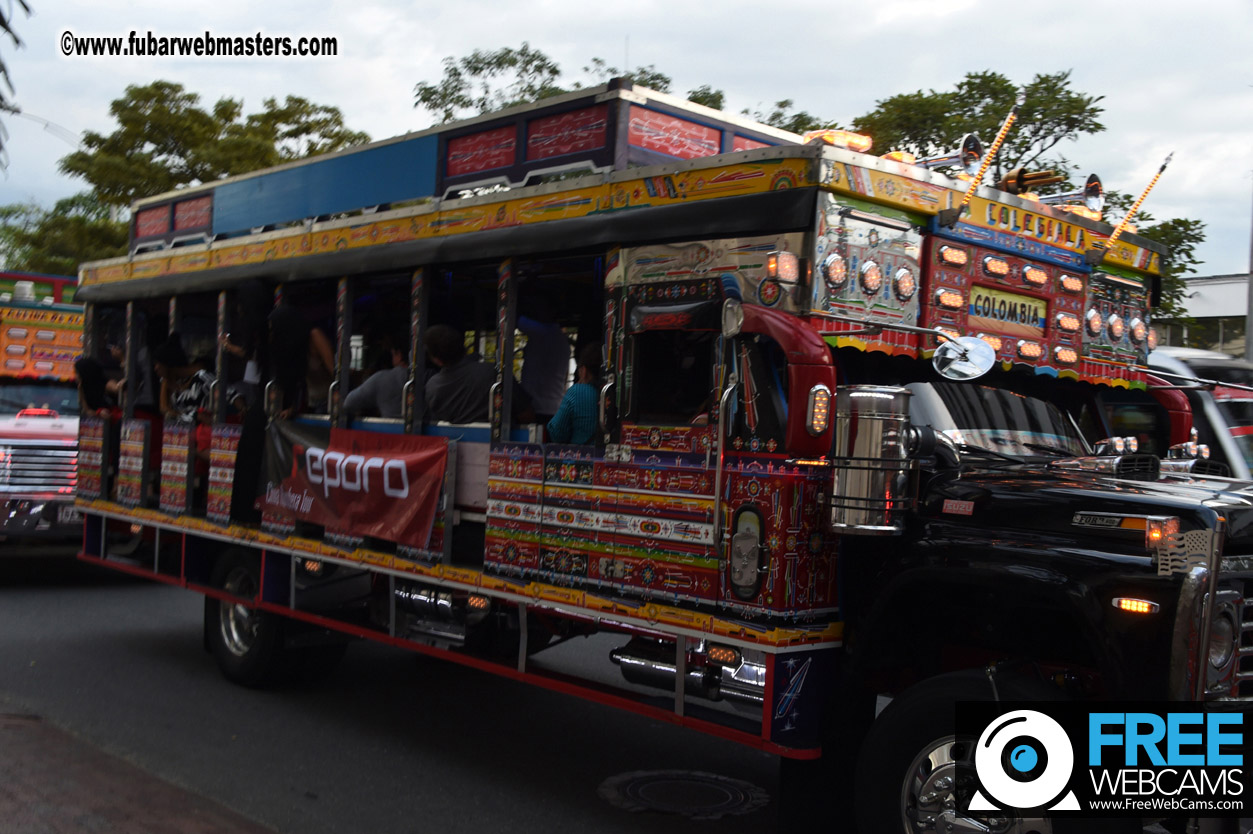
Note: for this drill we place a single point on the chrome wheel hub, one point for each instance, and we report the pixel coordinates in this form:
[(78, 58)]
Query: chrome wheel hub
[(239, 623), (938, 787)]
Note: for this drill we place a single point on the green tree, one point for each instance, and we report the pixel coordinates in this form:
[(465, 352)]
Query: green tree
[(783, 118), (1180, 235), (932, 123), (489, 80), (6, 27), (76, 229), (648, 76), (165, 140), (708, 96)]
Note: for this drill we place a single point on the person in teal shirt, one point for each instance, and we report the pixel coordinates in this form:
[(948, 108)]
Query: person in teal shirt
[(575, 420)]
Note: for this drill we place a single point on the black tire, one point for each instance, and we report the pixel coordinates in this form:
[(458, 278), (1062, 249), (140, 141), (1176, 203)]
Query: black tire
[(921, 720), (247, 643)]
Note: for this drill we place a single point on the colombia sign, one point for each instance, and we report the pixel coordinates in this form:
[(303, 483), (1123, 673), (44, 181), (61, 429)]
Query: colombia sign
[(385, 486)]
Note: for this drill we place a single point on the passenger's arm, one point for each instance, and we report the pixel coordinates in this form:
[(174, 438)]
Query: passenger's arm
[(561, 426), (322, 349)]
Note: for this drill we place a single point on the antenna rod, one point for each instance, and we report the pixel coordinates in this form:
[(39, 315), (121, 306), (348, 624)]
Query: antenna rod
[(948, 217), (1098, 253)]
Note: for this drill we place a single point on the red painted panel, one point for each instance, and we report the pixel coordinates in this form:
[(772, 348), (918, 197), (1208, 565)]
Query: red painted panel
[(152, 222), (565, 133), (743, 143), (672, 136), (484, 151), (194, 214)]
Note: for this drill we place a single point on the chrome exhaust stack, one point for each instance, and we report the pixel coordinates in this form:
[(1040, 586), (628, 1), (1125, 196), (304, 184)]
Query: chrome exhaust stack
[(875, 481)]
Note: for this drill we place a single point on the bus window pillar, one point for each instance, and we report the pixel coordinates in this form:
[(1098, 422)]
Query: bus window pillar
[(506, 321), (414, 397), (343, 353)]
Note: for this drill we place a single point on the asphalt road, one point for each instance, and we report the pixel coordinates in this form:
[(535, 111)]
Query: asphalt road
[(389, 743)]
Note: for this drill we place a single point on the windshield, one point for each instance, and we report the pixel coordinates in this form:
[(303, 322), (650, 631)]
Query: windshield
[(995, 419), (63, 399)]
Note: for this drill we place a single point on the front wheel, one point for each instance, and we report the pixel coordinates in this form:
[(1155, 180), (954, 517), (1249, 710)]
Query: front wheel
[(247, 643), (915, 775)]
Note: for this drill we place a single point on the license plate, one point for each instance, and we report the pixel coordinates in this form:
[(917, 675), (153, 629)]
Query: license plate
[(68, 515), (1006, 312)]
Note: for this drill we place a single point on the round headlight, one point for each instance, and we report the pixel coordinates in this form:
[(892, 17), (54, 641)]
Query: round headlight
[(1095, 324), (1116, 327), (834, 270), (1222, 641), (871, 278), (904, 284)]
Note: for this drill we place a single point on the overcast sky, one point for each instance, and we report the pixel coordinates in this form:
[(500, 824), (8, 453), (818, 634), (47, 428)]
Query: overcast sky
[(1175, 76)]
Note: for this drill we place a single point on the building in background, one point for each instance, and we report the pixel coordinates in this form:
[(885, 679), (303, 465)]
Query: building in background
[(1218, 306)]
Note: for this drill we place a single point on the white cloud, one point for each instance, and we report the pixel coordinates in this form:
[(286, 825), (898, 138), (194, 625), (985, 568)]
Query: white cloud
[(1171, 76)]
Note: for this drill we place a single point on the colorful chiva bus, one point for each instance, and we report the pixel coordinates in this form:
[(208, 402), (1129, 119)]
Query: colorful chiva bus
[(725, 269)]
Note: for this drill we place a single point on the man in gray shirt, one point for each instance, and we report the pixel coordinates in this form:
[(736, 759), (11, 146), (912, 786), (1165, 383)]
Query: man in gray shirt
[(460, 391), (383, 393)]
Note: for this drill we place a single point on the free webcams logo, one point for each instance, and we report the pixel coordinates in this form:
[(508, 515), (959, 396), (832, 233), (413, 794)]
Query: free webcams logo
[(1124, 759), (1024, 760)]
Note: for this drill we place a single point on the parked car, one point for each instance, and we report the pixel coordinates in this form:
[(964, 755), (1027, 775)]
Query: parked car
[(1222, 413)]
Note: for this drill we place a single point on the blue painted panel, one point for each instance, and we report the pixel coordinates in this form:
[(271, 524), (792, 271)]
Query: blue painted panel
[(384, 174)]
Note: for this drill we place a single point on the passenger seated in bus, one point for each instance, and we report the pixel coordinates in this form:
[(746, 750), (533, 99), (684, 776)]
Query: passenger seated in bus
[(382, 394), (460, 391), (247, 342), (546, 357), (289, 358), (319, 371), (185, 385), (93, 393), (575, 420)]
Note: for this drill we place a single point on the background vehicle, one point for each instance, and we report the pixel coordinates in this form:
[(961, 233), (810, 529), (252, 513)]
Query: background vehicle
[(1223, 414), (841, 451), (40, 337)]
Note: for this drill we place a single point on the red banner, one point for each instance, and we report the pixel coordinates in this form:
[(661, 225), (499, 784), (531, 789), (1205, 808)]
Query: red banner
[(385, 486)]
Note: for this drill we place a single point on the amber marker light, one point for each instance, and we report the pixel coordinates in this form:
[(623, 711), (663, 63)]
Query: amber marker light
[(724, 655), (783, 267), (1139, 330), (1065, 355), (995, 341), (995, 266), (859, 142), (1152, 339), (953, 256), (819, 409), (1030, 350), (1067, 323), (1035, 276), (478, 603), (951, 299), (1072, 283), (1136, 606), (1158, 530), (900, 156)]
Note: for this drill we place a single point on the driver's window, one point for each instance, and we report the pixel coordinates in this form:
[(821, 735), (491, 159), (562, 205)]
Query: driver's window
[(673, 377), (758, 418)]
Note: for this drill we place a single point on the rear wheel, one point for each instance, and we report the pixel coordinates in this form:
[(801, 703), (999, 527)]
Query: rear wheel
[(247, 643)]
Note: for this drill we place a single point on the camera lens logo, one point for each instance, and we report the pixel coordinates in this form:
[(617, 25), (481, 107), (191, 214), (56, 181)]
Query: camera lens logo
[(1024, 760)]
